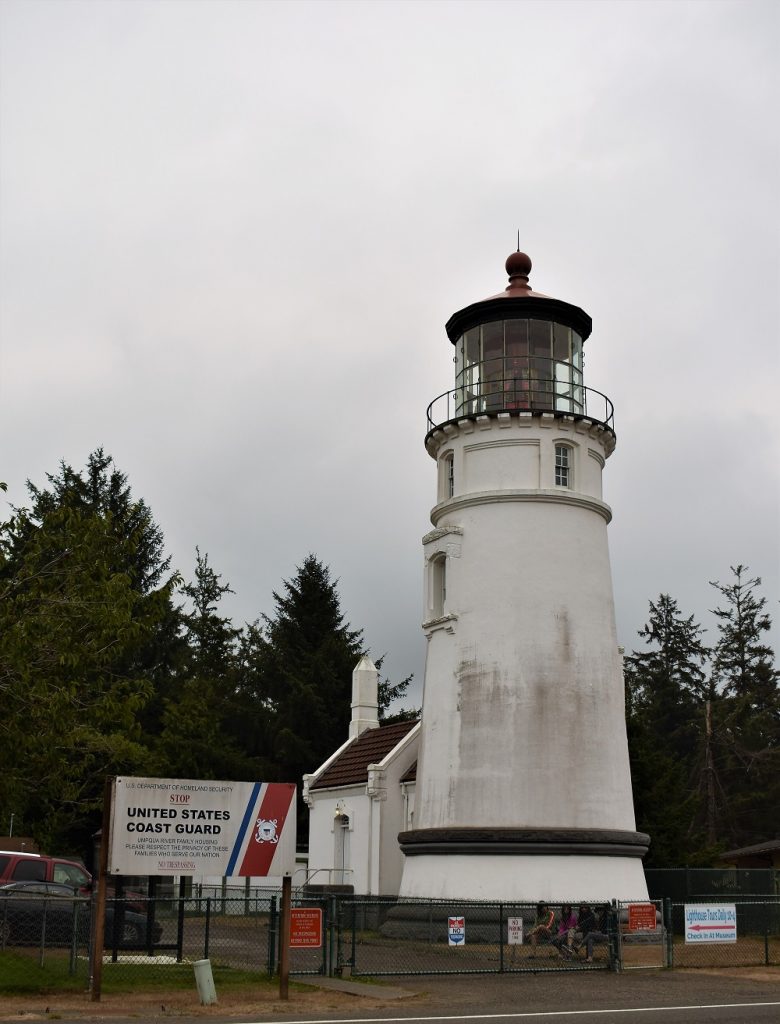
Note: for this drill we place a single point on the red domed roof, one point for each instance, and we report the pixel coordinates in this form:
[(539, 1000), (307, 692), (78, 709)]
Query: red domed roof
[(523, 302)]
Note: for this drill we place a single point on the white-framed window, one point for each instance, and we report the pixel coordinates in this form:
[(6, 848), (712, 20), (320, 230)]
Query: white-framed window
[(563, 466), (446, 476)]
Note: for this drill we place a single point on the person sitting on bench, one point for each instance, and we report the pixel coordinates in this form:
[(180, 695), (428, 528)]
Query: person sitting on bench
[(542, 930)]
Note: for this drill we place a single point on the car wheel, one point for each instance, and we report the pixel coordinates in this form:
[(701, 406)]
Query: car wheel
[(132, 935)]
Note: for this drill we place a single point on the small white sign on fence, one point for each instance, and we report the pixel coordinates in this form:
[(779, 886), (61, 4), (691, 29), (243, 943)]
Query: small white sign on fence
[(456, 930), (710, 922), (514, 931)]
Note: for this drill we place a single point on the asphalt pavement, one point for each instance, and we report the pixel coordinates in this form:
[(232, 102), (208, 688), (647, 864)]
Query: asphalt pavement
[(739, 996)]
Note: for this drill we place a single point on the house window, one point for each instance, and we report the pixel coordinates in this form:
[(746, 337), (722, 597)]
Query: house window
[(449, 478), (563, 467)]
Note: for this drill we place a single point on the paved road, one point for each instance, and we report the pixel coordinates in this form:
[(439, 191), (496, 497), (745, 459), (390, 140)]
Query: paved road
[(634, 997)]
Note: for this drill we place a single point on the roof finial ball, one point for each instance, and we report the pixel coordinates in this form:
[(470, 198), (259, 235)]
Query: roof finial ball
[(518, 265)]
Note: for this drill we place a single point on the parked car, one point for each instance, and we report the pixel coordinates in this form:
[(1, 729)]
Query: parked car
[(27, 907), (40, 867)]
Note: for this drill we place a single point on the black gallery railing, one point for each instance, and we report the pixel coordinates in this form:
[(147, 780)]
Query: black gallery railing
[(514, 395)]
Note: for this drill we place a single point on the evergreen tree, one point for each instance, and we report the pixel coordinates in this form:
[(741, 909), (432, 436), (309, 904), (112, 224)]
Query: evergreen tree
[(70, 625), (197, 740), (665, 687), (746, 713), (87, 628), (304, 656), (389, 693), (102, 490)]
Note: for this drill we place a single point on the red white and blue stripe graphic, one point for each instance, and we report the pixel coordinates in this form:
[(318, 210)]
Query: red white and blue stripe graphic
[(261, 835)]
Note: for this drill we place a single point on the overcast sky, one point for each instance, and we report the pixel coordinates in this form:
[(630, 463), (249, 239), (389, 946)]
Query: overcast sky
[(232, 234)]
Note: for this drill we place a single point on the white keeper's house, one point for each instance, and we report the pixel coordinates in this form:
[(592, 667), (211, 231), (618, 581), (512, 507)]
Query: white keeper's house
[(361, 798)]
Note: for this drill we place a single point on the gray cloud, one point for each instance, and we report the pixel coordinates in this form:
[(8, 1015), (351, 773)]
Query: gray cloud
[(232, 233)]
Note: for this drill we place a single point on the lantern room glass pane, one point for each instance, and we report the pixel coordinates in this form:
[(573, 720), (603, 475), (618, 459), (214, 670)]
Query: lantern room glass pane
[(561, 343), (516, 334), (541, 338), (576, 350), (471, 342)]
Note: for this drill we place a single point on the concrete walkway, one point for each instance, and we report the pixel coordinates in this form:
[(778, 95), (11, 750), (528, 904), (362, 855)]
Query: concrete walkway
[(353, 988)]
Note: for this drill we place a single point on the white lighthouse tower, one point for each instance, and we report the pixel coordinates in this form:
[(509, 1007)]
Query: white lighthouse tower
[(523, 782)]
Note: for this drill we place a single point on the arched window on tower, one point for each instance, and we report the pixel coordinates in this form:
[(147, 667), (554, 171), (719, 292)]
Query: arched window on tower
[(564, 469), (438, 585)]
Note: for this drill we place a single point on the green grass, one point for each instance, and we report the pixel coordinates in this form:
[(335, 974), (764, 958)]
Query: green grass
[(22, 975)]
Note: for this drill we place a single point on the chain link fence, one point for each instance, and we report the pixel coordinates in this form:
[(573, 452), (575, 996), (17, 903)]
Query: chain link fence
[(384, 937), (706, 932), (375, 937)]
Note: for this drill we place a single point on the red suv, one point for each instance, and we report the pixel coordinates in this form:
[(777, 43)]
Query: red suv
[(38, 867)]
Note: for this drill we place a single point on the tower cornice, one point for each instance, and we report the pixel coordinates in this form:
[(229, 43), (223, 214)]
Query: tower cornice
[(545, 495), (445, 431)]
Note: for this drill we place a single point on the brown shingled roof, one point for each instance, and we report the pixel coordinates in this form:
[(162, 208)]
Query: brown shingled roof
[(372, 746), (410, 775)]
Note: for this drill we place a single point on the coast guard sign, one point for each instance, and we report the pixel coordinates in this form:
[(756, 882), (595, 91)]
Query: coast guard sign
[(192, 827)]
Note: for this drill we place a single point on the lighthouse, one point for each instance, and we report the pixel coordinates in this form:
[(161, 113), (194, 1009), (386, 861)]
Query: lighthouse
[(523, 780)]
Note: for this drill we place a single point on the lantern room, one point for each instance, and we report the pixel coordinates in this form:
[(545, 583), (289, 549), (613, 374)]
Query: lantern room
[(519, 351)]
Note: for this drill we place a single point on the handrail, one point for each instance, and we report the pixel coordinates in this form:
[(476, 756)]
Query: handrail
[(513, 395)]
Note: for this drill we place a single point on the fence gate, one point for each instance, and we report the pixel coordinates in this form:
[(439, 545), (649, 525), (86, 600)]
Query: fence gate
[(642, 934)]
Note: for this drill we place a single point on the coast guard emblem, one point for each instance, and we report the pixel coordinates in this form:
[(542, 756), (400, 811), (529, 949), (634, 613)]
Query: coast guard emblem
[(266, 831)]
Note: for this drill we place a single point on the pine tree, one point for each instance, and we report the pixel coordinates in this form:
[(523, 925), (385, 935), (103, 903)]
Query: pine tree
[(71, 630), (102, 490), (304, 657), (87, 632), (665, 687), (389, 693), (747, 712), (197, 738)]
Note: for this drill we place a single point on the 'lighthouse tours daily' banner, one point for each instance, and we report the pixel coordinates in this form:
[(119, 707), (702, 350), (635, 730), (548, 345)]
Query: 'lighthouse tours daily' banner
[(191, 827)]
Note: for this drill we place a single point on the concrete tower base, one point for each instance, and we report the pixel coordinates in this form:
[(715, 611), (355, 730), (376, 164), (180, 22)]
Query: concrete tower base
[(524, 864), (525, 879)]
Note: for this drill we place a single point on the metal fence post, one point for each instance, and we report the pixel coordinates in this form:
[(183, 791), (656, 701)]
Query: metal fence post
[(272, 919), (332, 957), (669, 932), (767, 908), (353, 952), (74, 938), (43, 931), (500, 938), (613, 934), (208, 929), (180, 923)]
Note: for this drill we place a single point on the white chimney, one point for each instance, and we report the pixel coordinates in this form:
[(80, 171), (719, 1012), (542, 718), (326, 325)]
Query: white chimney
[(365, 697)]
